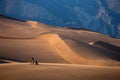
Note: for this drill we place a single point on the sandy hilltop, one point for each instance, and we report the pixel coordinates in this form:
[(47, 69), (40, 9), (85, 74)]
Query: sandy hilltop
[(58, 50)]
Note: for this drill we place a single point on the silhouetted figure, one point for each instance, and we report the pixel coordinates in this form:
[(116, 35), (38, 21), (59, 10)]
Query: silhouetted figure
[(36, 62), (32, 60)]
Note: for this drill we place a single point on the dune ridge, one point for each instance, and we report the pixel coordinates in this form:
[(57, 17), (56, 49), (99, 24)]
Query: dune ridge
[(63, 49), (21, 40)]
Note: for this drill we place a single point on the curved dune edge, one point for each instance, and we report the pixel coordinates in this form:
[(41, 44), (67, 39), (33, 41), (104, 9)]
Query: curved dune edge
[(66, 52), (63, 49)]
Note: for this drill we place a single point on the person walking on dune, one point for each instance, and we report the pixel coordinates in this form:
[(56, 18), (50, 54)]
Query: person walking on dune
[(32, 60), (36, 62)]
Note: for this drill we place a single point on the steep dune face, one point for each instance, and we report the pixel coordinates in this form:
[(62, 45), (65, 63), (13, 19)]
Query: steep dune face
[(21, 40), (46, 48), (67, 53), (23, 50), (63, 49)]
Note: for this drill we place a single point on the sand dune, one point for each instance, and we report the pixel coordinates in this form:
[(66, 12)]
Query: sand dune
[(23, 50), (63, 49), (21, 40), (63, 54)]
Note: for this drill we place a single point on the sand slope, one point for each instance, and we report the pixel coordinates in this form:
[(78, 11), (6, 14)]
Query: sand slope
[(63, 49), (20, 40), (23, 50)]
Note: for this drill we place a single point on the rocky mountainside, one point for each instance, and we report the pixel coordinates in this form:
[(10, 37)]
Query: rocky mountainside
[(97, 15)]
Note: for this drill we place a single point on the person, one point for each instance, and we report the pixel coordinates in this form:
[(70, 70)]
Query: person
[(32, 60), (36, 62)]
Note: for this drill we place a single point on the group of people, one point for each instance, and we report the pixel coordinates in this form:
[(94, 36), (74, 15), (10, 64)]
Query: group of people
[(34, 61)]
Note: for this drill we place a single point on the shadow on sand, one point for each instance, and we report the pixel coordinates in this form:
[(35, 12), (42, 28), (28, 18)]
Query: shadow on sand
[(108, 46), (19, 38), (109, 50), (104, 50), (2, 61)]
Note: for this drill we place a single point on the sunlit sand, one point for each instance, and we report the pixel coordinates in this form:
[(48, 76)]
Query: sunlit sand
[(63, 53)]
